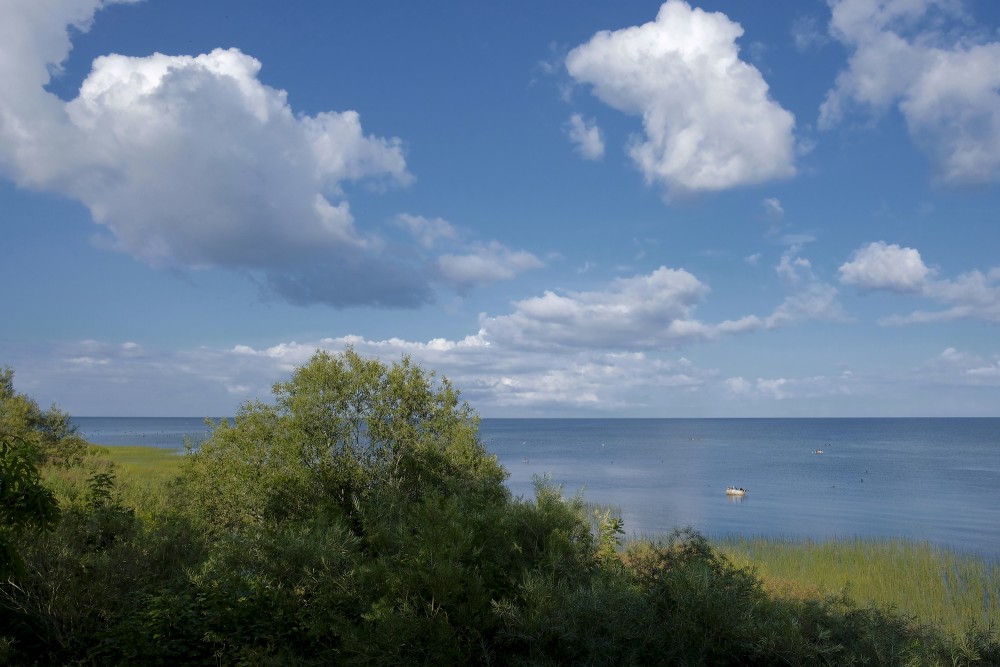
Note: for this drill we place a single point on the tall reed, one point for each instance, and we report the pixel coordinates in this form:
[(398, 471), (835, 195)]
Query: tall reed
[(956, 592)]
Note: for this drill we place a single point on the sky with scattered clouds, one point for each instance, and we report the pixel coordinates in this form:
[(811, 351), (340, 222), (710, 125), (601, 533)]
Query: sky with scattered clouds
[(643, 209)]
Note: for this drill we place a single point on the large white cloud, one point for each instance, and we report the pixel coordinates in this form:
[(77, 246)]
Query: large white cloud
[(709, 121), (881, 266), (191, 161), (644, 311), (945, 82)]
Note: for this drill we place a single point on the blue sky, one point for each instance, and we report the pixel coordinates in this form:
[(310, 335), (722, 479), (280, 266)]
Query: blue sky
[(701, 209)]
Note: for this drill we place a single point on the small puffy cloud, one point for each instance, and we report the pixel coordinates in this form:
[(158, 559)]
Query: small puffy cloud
[(879, 266), (709, 122), (586, 137), (922, 57), (485, 263), (792, 268), (882, 266)]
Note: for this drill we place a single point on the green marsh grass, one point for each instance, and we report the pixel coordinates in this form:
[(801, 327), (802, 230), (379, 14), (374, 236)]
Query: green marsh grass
[(141, 474), (953, 591), (148, 465)]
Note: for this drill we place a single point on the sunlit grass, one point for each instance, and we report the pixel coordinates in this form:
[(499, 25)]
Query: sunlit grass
[(150, 465), (141, 474), (953, 591)]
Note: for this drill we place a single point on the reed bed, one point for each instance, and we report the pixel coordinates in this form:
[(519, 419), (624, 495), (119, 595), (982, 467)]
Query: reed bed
[(152, 465), (141, 474), (956, 592)]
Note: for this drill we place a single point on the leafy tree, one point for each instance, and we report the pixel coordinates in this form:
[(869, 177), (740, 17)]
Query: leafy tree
[(359, 505), (344, 433), (24, 502), (53, 437)]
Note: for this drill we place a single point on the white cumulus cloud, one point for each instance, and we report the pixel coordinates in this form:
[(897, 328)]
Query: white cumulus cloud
[(191, 161), (945, 82), (638, 312), (709, 121), (882, 266)]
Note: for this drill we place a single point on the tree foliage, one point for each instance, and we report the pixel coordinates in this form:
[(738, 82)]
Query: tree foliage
[(51, 435), (28, 437), (25, 504)]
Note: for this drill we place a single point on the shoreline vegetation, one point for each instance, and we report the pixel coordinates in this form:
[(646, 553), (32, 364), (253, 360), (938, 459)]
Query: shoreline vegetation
[(937, 585), (289, 538)]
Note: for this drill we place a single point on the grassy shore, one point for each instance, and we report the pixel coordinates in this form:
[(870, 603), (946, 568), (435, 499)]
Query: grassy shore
[(953, 591)]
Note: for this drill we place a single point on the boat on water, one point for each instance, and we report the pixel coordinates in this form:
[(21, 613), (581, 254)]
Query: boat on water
[(817, 451), (735, 491)]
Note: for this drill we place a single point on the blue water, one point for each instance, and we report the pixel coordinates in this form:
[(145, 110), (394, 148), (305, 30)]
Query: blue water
[(167, 432), (923, 479)]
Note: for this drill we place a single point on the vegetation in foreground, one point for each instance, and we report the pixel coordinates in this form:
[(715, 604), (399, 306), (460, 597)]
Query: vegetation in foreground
[(358, 520)]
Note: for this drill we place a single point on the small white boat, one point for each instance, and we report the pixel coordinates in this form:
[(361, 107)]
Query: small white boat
[(735, 491), (818, 451)]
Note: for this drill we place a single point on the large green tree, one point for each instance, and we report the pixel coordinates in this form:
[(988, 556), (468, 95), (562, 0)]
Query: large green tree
[(359, 504), (343, 434)]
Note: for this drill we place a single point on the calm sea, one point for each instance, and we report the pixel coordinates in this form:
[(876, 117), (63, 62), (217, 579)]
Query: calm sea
[(922, 479)]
